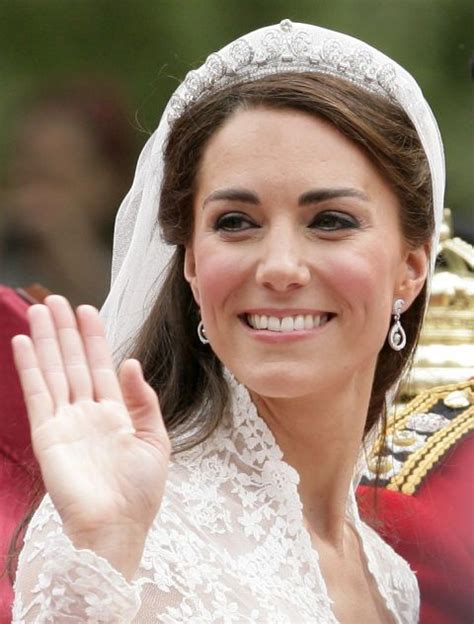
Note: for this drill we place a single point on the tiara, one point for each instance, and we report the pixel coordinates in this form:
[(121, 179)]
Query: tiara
[(287, 47)]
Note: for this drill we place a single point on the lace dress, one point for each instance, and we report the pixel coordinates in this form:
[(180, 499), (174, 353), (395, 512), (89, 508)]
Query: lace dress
[(228, 546)]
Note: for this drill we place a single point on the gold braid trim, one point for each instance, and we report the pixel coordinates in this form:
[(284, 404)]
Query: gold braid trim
[(424, 401), (422, 461), (421, 403)]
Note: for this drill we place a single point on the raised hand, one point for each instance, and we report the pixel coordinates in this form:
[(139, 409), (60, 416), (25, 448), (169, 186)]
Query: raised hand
[(99, 439)]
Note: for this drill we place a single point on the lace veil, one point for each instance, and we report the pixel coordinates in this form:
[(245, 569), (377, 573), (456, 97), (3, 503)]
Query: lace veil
[(140, 255)]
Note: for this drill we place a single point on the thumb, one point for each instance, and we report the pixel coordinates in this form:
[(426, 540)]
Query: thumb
[(140, 399)]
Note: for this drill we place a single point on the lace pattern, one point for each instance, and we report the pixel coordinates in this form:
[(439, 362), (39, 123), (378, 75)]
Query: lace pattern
[(66, 578), (228, 545)]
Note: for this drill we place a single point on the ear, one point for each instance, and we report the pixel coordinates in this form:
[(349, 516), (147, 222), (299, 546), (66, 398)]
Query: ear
[(413, 274), (190, 272)]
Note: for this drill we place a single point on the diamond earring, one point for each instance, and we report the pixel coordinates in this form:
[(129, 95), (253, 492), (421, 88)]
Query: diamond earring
[(201, 332), (397, 338)]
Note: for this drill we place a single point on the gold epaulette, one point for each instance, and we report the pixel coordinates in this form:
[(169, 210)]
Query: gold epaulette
[(419, 436)]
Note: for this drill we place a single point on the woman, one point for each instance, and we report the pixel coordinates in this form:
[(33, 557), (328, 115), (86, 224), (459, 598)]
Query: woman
[(299, 177)]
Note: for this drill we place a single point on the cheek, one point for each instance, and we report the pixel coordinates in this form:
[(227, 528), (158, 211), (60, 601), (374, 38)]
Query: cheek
[(219, 275), (363, 280), (355, 276)]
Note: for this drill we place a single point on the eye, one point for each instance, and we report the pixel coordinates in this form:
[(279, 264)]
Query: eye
[(332, 220), (233, 222)]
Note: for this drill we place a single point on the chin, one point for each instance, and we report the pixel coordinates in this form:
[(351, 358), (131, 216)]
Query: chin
[(282, 380)]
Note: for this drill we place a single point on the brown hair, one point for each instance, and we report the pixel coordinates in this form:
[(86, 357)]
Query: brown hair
[(186, 374)]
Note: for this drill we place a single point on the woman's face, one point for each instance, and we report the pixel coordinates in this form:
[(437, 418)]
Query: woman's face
[(297, 254)]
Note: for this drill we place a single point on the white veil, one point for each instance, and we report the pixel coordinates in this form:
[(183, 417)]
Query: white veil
[(140, 256)]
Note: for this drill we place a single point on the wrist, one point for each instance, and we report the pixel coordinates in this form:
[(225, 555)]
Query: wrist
[(121, 546)]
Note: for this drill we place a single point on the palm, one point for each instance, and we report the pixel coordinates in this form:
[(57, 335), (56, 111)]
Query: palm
[(100, 440), (92, 463)]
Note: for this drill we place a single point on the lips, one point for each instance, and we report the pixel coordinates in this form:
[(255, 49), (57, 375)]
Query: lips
[(288, 323)]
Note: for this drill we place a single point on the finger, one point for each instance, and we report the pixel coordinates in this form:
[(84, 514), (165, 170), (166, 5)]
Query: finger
[(45, 341), (141, 400), (101, 367), (39, 403), (74, 359)]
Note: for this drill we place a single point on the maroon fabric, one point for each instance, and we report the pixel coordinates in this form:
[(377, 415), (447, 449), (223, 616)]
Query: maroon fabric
[(14, 432), (18, 468), (434, 531)]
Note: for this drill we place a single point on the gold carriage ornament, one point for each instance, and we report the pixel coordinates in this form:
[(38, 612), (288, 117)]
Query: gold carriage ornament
[(445, 354)]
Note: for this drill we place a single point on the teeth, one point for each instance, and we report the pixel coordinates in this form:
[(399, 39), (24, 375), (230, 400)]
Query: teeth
[(299, 322), (287, 323), (274, 323)]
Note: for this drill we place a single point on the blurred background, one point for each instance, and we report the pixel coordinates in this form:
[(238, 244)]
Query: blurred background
[(83, 83)]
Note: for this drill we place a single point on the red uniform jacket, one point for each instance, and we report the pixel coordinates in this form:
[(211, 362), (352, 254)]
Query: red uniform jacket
[(426, 508)]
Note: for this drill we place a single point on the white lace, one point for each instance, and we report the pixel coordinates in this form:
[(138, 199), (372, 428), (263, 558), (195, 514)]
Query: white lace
[(228, 546)]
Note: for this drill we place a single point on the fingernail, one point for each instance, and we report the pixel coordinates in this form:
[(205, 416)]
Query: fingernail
[(87, 306), (139, 366), (53, 298)]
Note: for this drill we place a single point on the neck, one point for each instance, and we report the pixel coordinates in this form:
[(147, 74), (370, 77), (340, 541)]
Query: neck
[(320, 436)]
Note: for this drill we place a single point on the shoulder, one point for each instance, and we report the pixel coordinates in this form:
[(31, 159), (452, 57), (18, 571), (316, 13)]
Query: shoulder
[(396, 580), (387, 562)]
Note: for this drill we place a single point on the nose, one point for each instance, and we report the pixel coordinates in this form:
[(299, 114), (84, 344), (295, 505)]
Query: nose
[(282, 266)]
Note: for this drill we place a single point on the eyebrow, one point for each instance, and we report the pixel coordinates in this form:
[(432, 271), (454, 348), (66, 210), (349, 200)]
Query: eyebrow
[(319, 195), (313, 196), (232, 194)]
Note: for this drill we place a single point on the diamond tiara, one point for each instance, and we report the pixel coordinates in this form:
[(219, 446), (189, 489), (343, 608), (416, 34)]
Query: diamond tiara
[(287, 47)]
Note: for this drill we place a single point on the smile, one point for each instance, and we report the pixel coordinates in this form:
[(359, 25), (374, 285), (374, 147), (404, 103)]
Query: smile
[(286, 324)]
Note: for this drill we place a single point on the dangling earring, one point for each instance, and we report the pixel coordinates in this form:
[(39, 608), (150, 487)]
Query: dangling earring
[(202, 333), (397, 338)]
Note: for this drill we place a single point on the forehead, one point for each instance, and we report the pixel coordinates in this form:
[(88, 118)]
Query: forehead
[(262, 145)]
